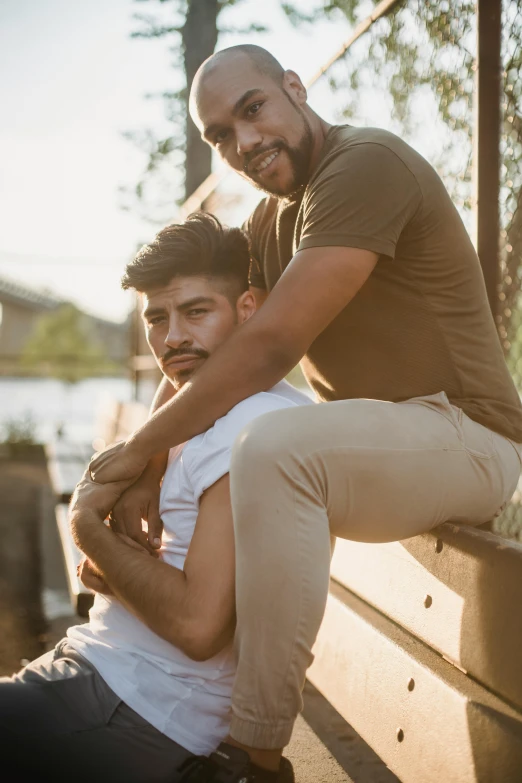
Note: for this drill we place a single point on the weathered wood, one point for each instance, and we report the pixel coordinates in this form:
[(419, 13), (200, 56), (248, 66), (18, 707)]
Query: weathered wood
[(66, 463), (81, 596), (132, 416), (458, 589), (119, 420), (428, 721)]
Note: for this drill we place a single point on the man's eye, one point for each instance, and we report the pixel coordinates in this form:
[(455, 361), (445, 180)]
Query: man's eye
[(254, 107), (220, 137), (196, 311), (156, 320)]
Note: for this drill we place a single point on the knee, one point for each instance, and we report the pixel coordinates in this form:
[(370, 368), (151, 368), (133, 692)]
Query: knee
[(262, 442)]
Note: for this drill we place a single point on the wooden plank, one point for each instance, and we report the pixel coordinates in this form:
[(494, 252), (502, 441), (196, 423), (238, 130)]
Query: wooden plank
[(117, 420), (107, 423), (427, 720), (132, 416), (459, 589), (66, 463), (81, 596)]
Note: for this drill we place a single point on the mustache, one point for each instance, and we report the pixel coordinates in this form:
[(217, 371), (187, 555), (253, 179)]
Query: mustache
[(249, 157), (173, 353)]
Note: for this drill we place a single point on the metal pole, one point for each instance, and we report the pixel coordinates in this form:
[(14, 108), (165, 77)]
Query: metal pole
[(487, 143)]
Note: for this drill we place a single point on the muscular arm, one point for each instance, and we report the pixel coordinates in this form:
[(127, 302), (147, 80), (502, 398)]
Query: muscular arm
[(315, 287), (193, 609)]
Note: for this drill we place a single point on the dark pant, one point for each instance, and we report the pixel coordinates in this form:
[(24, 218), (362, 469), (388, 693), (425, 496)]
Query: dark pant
[(59, 720)]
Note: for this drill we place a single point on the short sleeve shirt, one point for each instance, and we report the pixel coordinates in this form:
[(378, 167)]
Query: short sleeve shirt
[(421, 324), (187, 700)]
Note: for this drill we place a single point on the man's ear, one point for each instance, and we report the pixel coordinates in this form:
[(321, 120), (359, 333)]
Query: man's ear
[(293, 85), (245, 306)]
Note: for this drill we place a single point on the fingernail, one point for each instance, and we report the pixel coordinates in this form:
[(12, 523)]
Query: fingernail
[(157, 542)]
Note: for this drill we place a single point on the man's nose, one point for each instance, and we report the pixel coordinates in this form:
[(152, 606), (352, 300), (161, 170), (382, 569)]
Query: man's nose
[(177, 334), (248, 138)]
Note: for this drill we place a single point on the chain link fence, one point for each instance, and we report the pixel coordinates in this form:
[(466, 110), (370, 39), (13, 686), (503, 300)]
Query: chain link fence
[(413, 72), (509, 316)]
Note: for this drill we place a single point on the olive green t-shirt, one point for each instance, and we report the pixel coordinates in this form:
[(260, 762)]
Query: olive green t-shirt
[(421, 324)]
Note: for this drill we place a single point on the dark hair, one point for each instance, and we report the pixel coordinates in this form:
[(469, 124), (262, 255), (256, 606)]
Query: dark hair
[(200, 246)]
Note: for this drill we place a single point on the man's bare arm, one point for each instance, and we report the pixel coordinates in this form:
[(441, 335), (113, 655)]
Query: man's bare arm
[(193, 609), (315, 287), (141, 500)]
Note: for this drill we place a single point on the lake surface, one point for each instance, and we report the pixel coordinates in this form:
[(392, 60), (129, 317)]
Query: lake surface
[(74, 408), (51, 404)]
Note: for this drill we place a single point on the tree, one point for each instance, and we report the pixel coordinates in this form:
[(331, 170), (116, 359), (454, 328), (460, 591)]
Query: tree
[(193, 36), (61, 348)]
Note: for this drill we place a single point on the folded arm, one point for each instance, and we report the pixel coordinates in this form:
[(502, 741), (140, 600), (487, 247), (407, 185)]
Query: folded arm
[(193, 609)]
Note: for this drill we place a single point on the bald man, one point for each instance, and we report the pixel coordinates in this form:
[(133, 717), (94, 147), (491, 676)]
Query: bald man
[(372, 284)]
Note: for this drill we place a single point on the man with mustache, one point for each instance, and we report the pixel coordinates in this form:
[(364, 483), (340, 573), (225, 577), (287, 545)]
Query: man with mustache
[(144, 687), (372, 284)]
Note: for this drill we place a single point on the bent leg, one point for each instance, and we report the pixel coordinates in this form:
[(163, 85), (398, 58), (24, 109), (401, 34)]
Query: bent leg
[(59, 719), (360, 469)]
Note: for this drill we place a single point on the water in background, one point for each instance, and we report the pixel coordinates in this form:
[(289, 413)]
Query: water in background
[(52, 404)]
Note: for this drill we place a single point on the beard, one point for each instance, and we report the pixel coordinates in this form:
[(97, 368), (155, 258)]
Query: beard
[(298, 156), (182, 376)]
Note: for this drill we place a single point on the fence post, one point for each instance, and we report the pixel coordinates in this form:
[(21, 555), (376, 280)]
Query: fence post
[(487, 143)]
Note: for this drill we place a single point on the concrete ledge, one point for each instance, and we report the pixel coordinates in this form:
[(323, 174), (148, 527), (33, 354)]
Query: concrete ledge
[(427, 720), (458, 589)]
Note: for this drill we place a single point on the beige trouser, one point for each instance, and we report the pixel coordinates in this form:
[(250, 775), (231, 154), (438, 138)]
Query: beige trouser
[(360, 469)]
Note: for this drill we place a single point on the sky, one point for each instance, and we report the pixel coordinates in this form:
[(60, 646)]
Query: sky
[(72, 81)]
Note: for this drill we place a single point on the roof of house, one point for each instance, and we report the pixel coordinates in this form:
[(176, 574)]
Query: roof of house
[(32, 298)]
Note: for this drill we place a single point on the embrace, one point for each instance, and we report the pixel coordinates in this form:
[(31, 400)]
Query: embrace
[(357, 266)]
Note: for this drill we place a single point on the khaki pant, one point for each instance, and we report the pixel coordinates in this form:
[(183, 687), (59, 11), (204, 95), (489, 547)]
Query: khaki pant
[(366, 470)]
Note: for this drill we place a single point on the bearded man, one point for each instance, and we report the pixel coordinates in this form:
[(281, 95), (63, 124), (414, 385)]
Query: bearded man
[(372, 284)]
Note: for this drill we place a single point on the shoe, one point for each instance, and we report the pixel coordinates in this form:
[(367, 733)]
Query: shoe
[(231, 765)]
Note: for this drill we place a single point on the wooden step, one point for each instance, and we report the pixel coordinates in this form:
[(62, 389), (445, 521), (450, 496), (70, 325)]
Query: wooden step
[(457, 588), (425, 719)]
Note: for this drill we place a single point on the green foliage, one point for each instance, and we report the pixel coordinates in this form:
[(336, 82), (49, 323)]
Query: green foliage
[(61, 348), (21, 432), (161, 185), (349, 8)]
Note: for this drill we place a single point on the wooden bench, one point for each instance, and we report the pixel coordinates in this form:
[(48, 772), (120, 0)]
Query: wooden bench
[(66, 463), (420, 651)]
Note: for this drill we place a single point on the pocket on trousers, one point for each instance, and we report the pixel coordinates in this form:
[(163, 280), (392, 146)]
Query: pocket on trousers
[(477, 440), (81, 690)]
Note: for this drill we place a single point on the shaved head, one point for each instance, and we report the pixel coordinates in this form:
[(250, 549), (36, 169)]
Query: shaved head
[(254, 113), (264, 62)]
